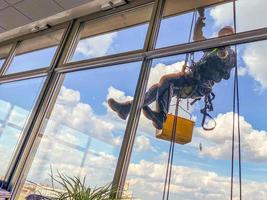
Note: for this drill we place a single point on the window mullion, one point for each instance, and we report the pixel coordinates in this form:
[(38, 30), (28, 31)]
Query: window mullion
[(21, 165), (9, 58), (128, 140)]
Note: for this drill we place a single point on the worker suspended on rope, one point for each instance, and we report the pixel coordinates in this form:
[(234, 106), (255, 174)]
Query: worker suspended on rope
[(215, 65)]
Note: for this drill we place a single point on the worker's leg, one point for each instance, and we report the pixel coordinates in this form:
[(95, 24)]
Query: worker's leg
[(168, 83), (165, 93), (156, 91), (123, 109), (159, 116)]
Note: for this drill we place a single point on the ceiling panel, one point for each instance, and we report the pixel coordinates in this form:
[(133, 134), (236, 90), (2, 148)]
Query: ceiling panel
[(67, 4), (3, 4), (37, 9), (11, 18)]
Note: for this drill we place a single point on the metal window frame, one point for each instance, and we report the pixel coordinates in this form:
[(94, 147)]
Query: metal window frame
[(9, 58), (45, 72), (60, 66)]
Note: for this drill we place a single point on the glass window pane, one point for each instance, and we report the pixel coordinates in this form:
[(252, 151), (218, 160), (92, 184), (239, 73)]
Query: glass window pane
[(253, 108), (35, 53), (201, 168), (4, 51), (82, 129), (178, 17), (114, 34), (250, 15), (16, 103)]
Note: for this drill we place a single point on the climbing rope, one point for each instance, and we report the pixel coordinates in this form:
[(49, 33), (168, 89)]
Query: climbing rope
[(168, 174), (189, 38), (236, 110)]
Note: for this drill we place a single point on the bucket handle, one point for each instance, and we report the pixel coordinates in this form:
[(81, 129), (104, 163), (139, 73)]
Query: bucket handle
[(190, 115)]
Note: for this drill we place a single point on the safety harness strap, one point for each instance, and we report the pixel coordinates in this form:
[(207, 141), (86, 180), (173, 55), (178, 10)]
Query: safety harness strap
[(208, 108)]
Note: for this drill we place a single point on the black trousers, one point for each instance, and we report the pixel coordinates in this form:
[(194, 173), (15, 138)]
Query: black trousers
[(165, 90)]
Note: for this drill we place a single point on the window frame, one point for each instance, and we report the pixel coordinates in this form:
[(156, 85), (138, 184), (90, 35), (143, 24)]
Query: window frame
[(59, 66)]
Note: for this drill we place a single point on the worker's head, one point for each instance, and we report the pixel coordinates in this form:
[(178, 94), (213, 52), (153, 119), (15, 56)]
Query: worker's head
[(227, 30)]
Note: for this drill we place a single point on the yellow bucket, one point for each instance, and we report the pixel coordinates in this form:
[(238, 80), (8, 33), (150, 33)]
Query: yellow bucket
[(183, 133)]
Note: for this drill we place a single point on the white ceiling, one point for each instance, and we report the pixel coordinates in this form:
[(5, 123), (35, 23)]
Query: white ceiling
[(18, 17), (14, 13)]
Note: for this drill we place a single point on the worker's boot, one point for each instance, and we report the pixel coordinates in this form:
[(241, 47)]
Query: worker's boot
[(122, 109), (158, 118)]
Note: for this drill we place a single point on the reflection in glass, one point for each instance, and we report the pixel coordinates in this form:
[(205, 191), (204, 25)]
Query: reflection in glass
[(250, 15), (201, 169), (177, 19), (82, 136), (253, 108), (114, 34), (35, 53), (16, 103)]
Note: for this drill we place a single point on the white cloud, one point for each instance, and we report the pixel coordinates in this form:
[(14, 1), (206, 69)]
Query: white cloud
[(98, 168), (250, 14), (146, 179), (218, 142), (246, 20), (79, 116), (242, 71), (142, 143), (161, 69), (255, 60), (96, 46), (222, 15), (117, 94), (71, 126)]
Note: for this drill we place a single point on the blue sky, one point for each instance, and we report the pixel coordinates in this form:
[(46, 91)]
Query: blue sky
[(81, 115)]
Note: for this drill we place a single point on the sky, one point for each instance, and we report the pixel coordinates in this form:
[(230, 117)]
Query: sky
[(83, 135)]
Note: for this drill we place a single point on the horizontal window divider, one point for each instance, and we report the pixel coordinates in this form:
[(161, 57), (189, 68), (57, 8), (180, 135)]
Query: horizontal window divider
[(120, 9), (24, 75), (244, 37), (127, 57), (239, 38)]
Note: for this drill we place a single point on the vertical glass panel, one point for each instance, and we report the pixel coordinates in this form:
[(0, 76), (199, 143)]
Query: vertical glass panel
[(83, 136), (250, 15), (201, 169), (253, 107), (178, 18), (4, 51), (114, 34), (35, 53), (16, 103)]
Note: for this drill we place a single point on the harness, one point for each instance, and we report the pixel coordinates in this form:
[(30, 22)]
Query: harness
[(205, 111), (204, 88)]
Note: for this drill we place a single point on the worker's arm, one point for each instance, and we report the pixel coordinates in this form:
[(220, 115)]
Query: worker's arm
[(198, 33)]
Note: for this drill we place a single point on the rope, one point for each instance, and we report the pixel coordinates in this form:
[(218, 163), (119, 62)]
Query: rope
[(189, 38), (167, 183), (236, 108), (168, 174)]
